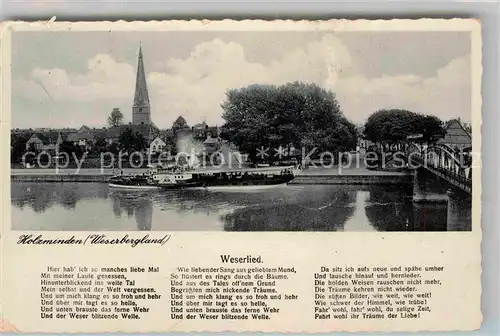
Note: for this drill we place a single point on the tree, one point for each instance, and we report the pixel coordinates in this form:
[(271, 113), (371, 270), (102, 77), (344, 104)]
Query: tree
[(131, 141), (113, 148), (115, 119), (18, 145), (395, 125), (69, 148), (432, 128), (295, 114), (179, 124), (100, 145), (170, 143)]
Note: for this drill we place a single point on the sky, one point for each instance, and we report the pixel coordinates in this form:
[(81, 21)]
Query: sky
[(82, 76)]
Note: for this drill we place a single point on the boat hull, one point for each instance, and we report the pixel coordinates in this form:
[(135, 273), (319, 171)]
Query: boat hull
[(188, 185), (134, 182), (132, 187), (241, 188), (218, 184)]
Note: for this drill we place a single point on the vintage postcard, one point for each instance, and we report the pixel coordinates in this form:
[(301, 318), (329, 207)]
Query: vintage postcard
[(273, 176)]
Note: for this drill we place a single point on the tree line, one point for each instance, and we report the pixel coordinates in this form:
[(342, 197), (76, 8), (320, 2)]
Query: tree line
[(128, 141), (294, 115), (307, 116), (394, 126)]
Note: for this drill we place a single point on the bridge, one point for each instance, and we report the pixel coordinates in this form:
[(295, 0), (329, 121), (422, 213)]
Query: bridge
[(443, 174), (451, 165)]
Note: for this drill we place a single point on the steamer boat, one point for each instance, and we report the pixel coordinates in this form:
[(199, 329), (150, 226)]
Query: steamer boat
[(226, 179), (176, 177), (133, 182)]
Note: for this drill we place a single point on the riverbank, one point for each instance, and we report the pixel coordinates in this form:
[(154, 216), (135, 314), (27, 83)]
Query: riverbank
[(86, 178), (353, 179), (310, 176)]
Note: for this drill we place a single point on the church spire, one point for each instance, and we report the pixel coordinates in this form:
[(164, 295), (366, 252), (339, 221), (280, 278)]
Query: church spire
[(141, 97), (141, 107)]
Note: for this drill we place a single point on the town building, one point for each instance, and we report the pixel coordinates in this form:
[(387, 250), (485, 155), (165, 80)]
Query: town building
[(84, 129), (211, 144), (208, 135), (157, 146), (199, 130), (112, 134), (456, 136), (83, 138), (141, 109), (44, 141)]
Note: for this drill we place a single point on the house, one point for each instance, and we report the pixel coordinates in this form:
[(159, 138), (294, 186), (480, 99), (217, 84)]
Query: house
[(202, 130), (44, 141), (42, 129), (157, 146), (84, 129), (81, 139), (112, 134), (210, 144), (456, 136), (64, 130), (362, 144), (148, 131), (199, 130), (214, 131)]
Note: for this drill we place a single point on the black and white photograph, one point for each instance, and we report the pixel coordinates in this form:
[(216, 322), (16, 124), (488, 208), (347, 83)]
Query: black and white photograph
[(241, 131), (164, 174)]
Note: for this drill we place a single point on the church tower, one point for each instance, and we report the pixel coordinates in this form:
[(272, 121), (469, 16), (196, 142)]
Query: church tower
[(141, 110)]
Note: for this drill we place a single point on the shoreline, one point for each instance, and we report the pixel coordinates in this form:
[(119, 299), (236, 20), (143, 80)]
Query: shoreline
[(312, 177)]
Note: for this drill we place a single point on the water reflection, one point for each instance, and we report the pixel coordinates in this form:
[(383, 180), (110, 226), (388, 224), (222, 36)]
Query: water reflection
[(325, 210), (88, 206), (358, 221), (397, 202), (42, 196), (392, 209), (139, 205)]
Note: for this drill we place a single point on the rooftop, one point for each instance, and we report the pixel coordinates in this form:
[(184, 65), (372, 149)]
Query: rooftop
[(456, 134)]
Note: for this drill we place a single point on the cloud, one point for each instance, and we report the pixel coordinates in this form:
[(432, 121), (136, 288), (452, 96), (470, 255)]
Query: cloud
[(446, 95), (105, 79), (195, 86), (55, 97)]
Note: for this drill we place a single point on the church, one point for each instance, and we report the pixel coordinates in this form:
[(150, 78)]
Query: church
[(141, 109), (143, 123)]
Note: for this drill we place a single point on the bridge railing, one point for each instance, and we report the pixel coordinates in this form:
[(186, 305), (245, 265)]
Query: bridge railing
[(448, 164)]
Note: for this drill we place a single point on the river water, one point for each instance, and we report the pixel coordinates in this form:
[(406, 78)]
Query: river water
[(93, 206)]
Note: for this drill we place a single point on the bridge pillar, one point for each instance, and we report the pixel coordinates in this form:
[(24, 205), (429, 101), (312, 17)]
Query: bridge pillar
[(459, 216), (426, 188), (430, 216)]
